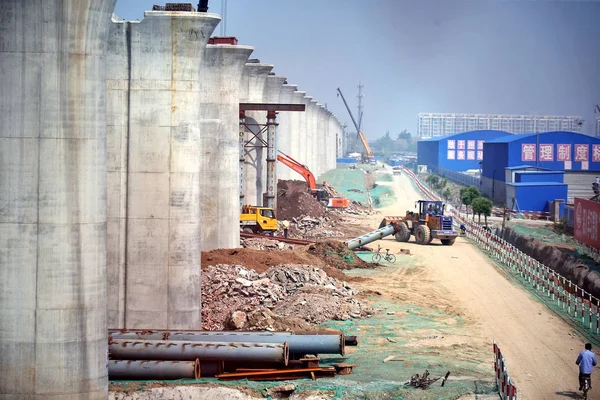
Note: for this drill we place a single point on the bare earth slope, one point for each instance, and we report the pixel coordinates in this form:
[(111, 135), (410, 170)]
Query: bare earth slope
[(539, 346)]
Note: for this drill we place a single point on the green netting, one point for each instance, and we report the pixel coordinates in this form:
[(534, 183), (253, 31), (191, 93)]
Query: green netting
[(383, 177), (387, 333), (350, 183), (383, 196)]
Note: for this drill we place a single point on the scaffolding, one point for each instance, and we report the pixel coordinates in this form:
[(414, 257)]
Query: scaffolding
[(440, 124)]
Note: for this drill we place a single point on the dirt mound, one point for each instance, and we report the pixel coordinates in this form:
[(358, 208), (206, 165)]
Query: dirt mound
[(560, 258), (259, 260), (337, 254), (294, 201)]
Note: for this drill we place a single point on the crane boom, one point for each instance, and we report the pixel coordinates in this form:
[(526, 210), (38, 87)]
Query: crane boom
[(368, 154), (348, 108)]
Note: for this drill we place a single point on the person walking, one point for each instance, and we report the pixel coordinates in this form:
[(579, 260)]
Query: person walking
[(586, 361), (286, 227)]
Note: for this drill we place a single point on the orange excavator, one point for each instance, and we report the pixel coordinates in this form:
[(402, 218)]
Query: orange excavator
[(320, 194)]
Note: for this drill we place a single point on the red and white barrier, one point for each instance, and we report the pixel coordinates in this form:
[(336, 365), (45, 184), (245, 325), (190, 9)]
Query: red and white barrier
[(573, 300), (506, 389)]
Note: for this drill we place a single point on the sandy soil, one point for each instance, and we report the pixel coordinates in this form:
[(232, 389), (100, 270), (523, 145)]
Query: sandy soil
[(539, 346)]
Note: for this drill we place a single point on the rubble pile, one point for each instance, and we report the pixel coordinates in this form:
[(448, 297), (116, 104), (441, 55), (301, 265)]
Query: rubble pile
[(264, 244), (294, 201), (285, 297)]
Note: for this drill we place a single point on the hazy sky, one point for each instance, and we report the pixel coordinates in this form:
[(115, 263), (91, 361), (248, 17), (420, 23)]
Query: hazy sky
[(478, 56)]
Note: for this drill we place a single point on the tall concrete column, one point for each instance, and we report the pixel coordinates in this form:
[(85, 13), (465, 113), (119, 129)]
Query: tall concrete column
[(297, 134), (312, 152), (304, 128), (219, 142), (271, 95), (155, 149), (253, 83), (53, 199), (284, 130)]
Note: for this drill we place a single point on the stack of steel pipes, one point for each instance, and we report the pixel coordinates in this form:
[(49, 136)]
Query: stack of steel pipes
[(178, 354)]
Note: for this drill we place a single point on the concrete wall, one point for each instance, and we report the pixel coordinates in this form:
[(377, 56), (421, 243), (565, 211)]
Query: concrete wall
[(219, 130), (154, 123), (252, 90), (285, 131), (53, 199)]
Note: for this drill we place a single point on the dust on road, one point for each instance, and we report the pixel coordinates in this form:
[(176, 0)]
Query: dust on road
[(539, 346)]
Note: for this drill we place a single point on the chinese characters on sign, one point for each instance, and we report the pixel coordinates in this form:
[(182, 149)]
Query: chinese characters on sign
[(451, 155), (587, 219), (460, 154), (479, 155), (470, 155), (471, 145), (563, 152), (480, 144), (460, 144), (527, 152), (581, 152), (596, 152), (451, 144), (546, 152)]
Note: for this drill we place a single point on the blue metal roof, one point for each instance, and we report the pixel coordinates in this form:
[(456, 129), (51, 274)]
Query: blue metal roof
[(527, 166), (535, 184), (512, 138), (480, 131)]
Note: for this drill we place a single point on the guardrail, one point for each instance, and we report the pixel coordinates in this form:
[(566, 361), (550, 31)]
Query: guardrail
[(555, 288), (507, 390)]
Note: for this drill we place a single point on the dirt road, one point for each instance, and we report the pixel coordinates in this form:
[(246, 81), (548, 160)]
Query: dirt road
[(539, 346)]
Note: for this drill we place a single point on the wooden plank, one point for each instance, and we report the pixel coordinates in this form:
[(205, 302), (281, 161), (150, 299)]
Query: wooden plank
[(263, 373)]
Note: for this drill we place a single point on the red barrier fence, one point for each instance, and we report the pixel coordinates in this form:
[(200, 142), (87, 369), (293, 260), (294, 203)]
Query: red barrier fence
[(507, 390), (586, 226)]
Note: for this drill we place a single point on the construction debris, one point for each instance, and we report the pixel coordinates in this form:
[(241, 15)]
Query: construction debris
[(423, 381), (239, 298)]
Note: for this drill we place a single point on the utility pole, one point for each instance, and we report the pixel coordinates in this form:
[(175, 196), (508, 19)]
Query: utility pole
[(360, 106), (224, 15)]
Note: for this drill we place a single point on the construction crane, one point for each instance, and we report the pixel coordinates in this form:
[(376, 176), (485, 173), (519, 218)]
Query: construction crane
[(367, 154)]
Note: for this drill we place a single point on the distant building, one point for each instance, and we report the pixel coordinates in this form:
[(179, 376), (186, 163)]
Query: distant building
[(431, 125)]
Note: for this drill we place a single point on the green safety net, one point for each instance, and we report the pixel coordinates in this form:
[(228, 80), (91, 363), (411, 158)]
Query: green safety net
[(352, 184)]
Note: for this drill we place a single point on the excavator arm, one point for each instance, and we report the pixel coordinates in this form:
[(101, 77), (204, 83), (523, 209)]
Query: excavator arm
[(299, 168)]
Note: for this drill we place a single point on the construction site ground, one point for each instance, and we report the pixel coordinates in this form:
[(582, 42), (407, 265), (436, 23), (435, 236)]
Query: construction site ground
[(438, 308)]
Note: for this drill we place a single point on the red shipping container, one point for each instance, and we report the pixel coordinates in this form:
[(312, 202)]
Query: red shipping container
[(587, 222)]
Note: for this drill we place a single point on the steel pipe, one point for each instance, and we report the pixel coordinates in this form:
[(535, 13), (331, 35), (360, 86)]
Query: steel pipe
[(298, 344), (133, 349), (135, 369), (371, 237)]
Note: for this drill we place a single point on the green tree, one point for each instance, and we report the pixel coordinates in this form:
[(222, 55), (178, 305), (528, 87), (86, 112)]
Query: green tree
[(467, 194), (433, 180), (481, 205), (447, 194)]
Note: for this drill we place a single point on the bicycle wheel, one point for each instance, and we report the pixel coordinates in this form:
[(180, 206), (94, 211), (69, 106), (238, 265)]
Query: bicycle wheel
[(376, 258), (391, 258)]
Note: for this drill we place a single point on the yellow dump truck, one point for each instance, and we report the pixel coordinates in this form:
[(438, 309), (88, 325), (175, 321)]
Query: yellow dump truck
[(258, 219)]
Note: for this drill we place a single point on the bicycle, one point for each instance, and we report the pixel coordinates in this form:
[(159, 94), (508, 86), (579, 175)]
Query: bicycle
[(387, 256), (586, 385)]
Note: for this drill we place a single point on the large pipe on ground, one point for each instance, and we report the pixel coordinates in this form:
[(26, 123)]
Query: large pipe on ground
[(371, 237), (132, 349), (136, 369), (298, 344)]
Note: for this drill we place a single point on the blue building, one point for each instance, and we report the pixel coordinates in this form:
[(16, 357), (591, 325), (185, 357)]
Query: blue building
[(459, 152), (512, 162)]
